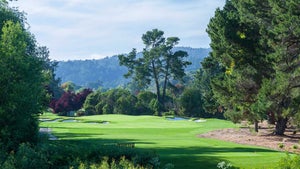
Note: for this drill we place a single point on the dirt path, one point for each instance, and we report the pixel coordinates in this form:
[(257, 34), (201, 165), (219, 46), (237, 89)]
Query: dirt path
[(264, 138)]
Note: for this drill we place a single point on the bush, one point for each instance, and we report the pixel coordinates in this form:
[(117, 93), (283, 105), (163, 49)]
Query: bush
[(126, 105), (25, 157), (154, 106), (281, 145), (77, 155), (224, 165), (289, 162), (143, 103), (295, 146), (191, 103)]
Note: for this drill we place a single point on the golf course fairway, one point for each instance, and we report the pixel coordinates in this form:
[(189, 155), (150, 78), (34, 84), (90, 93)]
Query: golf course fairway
[(175, 141)]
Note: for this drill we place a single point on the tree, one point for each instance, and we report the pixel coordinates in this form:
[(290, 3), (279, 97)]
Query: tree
[(257, 43), (69, 101), (278, 22), (159, 63), (191, 103), (69, 86), (52, 84), (210, 69), (282, 91), (21, 86), (236, 48), (91, 104), (143, 103)]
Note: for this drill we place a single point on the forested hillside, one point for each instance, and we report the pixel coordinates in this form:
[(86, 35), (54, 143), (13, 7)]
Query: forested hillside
[(108, 73)]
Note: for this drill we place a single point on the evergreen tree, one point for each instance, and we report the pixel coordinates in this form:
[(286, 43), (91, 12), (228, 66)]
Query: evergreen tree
[(159, 63), (258, 45)]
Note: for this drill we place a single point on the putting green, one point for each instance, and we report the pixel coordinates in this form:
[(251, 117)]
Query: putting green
[(175, 141)]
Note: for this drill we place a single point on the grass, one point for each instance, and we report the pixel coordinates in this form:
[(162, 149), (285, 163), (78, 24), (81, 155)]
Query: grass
[(176, 142)]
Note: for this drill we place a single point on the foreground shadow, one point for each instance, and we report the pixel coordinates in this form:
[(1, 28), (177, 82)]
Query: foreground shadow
[(182, 157), (188, 157), (203, 157)]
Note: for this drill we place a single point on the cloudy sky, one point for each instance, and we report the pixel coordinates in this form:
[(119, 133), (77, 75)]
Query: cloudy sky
[(92, 29)]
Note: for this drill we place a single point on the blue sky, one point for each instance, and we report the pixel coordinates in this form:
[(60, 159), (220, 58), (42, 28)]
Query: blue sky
[(93, 29)]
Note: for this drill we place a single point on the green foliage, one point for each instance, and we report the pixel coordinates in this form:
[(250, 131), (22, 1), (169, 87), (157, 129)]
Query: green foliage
[(22, 94), (158, 63), (281, 145), (191, 103), (154, 105), (68, 155), (92, 104), (25, 157), (115, 101), (240, 66), (210, 69), (144, 102), (126, 105), (69, 86), (224, 165), (289, 162), (255, 44)]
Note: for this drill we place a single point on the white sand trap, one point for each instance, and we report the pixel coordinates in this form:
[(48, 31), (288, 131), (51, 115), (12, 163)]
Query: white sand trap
[(200, 121), (69, 121)]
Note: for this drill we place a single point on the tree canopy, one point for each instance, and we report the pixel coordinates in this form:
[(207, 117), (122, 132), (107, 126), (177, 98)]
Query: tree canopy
[(22, 80), (158, 64), (257, 45)]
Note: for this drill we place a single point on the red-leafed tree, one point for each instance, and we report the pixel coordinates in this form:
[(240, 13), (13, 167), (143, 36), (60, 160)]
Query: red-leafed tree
[(80, 98), (69, 101)]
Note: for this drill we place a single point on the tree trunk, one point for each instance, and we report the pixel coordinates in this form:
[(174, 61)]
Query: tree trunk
[(281, 126), (256, 126), (157, 87), (165, 84)]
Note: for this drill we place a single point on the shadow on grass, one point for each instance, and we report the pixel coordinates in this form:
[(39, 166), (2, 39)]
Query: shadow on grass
[(181, 157), (201, 157), (189, 157)]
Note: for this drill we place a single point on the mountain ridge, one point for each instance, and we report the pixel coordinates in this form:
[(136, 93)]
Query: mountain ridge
[(107, 72)]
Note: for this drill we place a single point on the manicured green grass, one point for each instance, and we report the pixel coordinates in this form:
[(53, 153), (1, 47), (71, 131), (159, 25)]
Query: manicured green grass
[(176, 142)]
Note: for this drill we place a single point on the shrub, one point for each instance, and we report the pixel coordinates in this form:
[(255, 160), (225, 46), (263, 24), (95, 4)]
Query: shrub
[(224, 165), (143, 100), (295, 146), (289, 162), (77, 155), (154, 106), (191, 103), (25, 157), (281, 145), (126, 105)]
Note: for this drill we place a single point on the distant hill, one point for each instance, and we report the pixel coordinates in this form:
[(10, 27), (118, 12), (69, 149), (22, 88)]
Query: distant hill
[(108, 73)]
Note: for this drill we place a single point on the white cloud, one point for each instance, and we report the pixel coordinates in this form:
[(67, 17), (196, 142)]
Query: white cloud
[(77, 28)]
